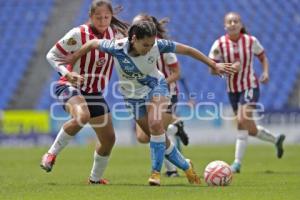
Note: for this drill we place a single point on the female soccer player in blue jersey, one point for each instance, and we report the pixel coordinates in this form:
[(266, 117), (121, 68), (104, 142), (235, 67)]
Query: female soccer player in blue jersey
[(145, 89)]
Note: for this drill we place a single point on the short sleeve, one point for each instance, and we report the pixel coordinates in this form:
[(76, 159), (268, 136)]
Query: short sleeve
[(166, 46), (71, 42), (257, 48), (170, 58), (215, 52)]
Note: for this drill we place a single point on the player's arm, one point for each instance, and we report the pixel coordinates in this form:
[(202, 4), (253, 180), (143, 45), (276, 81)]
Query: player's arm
[(258, 50), (65, 46), (175, 73), (219, 68), (265, 65), (84, 49)]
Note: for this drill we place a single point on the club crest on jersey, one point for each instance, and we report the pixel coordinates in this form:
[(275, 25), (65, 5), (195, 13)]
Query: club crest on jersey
[(100, 62), (216, 52), (71, 42), (151, 60)]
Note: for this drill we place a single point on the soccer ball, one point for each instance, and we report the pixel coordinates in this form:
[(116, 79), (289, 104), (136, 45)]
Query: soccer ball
[(218, 173)]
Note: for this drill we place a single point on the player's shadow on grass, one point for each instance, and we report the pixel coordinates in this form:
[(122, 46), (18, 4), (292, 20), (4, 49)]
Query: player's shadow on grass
[(279, 172)]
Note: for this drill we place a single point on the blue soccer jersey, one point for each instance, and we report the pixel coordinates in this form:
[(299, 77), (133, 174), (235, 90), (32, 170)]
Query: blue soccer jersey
[(137, 75)]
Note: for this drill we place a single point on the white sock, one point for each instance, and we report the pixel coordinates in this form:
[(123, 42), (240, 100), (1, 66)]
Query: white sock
[(169, 166), (60, 142), (240, 146), (171, 135), (172, 129), (265, 134), (99, 165)]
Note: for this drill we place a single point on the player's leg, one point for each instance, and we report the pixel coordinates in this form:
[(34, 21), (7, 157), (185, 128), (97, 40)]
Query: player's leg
[(255, 130), (262, 133), (77, 107), (171, 170), (106, 137), (155, 108), (242, 135), (173, 155), (170, 153), (176, 126), (141, 136)]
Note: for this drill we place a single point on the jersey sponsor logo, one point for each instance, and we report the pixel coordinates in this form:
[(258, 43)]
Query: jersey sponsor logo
[(71, 42), (100, 62), (134, 76), (151, 60)]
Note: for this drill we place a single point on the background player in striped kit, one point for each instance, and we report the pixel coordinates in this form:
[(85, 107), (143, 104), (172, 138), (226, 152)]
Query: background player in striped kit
[(239, 48), (80, 87), (168, 64), (145, 89)]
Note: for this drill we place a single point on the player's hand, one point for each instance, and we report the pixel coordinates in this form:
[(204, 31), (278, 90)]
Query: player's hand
[(75, 79), (264, 78), (224, 68), (237, 66)]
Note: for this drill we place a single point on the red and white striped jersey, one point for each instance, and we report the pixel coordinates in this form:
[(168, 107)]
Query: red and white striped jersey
[(164, 63), (95, 66), (225, 50)]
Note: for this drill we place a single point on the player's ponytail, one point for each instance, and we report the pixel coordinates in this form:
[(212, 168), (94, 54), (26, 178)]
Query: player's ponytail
[(244, 30), (160, 24)]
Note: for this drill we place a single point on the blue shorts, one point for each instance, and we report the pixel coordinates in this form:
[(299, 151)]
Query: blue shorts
[(96, 103), (249, 96), (138, 107)]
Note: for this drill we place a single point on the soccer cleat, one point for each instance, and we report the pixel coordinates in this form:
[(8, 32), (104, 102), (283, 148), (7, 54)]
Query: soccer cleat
[(181, 133), (191, 175), (48, 161), (279, 145), (171, 174), (102, 181), (235, 167), (154, 179)]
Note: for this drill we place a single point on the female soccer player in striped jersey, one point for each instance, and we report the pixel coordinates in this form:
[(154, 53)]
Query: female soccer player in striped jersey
[(145, 89), (239, 48), (80, 86), (168, 64)]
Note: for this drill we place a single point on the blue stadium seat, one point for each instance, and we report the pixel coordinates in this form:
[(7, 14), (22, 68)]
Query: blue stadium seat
[(16, 49), (199, 23)]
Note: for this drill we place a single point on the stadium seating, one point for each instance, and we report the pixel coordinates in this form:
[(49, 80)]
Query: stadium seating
[(199, 23), (21, 25)]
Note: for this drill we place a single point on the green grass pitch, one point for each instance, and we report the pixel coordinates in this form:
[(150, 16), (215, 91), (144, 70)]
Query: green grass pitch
[(263, 176)]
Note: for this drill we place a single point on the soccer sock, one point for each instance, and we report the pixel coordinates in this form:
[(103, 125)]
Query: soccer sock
[(99, 165), (157, 147), (240, 146), (169, 166), (173, 139), (265, 134), (172, 129), (176, 158), (61, 140)]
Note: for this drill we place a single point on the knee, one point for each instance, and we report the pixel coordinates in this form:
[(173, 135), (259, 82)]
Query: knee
[(156, 126), (144, 139), (242, 136), (82, 118), (242, 124)]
